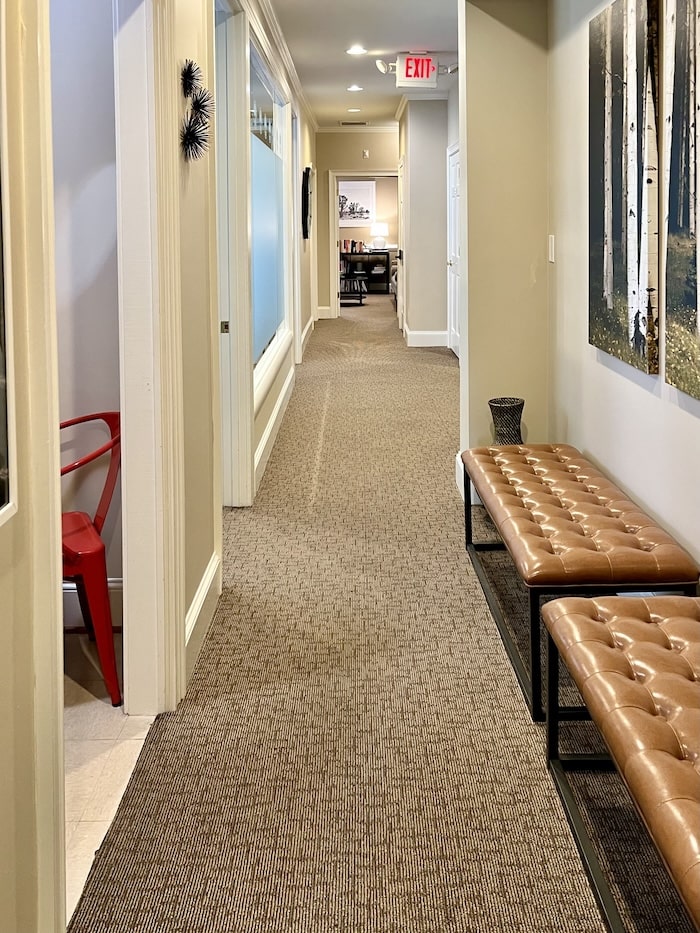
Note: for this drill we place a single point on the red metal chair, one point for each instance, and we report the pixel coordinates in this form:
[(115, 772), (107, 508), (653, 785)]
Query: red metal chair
[(84, 550)]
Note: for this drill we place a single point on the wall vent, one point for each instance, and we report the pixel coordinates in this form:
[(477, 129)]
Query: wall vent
[(353, 123)]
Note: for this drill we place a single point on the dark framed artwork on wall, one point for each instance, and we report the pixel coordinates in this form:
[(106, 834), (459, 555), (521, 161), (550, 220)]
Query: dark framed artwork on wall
[(306, 202), (623, 182)]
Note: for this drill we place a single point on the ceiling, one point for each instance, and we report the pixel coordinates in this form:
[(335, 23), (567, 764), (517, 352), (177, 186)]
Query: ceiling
[(318, 32)]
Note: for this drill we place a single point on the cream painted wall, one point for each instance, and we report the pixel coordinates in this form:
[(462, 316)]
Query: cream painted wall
[(342, 152), (645, 434), (386, 210), (193, 39), (425, 229), (307, 147), (31, 766), (507, 316)]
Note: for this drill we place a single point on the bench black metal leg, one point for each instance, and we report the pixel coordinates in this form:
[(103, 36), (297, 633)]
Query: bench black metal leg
[(558, 766), (468, 533), (535, 660), (552, 701)]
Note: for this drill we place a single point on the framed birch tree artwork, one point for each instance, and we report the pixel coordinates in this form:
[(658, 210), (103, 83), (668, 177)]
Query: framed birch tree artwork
[(680, 63), (623, 182)]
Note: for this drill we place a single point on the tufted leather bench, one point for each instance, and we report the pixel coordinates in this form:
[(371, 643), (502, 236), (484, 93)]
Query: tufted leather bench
[(636, 663), (569, 530)]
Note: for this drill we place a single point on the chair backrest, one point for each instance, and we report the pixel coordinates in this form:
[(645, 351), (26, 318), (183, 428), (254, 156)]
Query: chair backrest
[(113, 445)]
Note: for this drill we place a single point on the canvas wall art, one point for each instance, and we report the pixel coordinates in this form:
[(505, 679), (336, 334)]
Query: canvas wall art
[(623, 182), (680, 63)]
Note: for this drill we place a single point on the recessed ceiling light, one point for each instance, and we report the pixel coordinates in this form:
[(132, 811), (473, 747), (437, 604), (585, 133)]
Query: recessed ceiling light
[(353, 110), (356, 50), (355, 87)]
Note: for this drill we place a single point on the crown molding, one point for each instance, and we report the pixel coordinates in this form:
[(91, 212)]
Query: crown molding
[(418, 95), (269, 33)]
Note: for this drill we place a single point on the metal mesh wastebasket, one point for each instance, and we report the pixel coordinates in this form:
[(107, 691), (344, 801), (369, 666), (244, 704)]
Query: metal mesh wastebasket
[(506, 413)]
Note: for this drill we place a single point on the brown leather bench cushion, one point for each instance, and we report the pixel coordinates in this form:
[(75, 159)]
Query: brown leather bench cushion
[(565, 524), (636, 663)]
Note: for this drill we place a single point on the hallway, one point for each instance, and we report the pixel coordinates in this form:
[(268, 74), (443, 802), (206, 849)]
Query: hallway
[(353, 752)]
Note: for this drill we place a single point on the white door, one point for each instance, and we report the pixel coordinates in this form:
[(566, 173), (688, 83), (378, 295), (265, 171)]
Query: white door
[(235, 321), (453, 248), (400, 276)]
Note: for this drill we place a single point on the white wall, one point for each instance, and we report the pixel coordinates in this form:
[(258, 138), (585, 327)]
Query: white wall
[(425, 230), (82, 74), (643, 432)]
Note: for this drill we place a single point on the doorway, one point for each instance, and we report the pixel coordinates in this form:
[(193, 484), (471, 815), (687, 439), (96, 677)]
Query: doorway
[(385, 210)]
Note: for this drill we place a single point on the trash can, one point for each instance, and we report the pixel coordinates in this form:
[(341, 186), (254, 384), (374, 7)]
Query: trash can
[(506, 413)]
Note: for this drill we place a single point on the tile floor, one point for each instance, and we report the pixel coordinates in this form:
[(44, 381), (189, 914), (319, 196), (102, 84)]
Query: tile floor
[(101, 747)]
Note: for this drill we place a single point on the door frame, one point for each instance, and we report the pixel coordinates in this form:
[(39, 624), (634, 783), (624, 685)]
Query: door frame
[(334, 227), (233, 218), (453, 256), (148, 244)]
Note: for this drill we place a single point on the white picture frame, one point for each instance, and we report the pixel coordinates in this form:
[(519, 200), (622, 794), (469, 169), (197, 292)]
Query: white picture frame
[(356, 203)]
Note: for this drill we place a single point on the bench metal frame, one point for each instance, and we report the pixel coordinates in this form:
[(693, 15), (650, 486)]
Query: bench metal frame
[(530, 676), (560, 765)]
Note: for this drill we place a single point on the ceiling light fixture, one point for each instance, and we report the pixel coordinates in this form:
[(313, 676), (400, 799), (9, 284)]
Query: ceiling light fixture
[(356, 50), (354, 110), (355, 87)]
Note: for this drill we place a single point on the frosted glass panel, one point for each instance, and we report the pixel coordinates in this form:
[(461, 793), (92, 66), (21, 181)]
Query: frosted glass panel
[(268, 300)]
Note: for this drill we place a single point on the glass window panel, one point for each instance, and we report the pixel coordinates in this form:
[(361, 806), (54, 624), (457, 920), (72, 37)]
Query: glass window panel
[(266, 195), (266, 207)]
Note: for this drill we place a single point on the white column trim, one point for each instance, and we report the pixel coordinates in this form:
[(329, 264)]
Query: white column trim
[(150, 356)]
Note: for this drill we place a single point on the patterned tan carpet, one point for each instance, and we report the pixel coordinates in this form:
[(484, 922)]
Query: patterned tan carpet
[(353, 753)]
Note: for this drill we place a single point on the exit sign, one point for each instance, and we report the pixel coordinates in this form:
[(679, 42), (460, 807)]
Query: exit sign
[(416, 70)]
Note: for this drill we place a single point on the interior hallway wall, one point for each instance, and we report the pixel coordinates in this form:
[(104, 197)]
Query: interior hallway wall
[(644, 433), (386, 210), (507, 191), (425, 222), (198, 263), (307, 149), (82, 79), (31, 765), (342, 152)]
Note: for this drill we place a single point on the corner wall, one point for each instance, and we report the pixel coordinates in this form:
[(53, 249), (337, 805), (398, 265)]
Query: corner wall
[(644, 433), (425, 222), (507, 315)]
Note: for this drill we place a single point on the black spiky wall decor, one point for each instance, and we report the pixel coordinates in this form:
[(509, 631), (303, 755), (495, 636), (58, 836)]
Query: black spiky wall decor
[(194, 133), (203, 103), (191, 76)]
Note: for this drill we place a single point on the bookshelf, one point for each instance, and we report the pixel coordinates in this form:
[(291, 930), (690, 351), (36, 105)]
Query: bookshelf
[(373, 268)]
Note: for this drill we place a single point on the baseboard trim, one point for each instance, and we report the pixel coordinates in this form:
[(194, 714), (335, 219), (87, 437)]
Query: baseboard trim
[(264, 449), (201, 611), (324, 313), (306, 334), (425, 338), (72, 614)]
